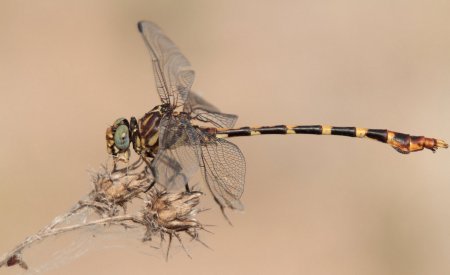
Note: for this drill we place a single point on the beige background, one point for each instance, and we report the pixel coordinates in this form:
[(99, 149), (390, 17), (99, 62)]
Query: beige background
[(315, 205)]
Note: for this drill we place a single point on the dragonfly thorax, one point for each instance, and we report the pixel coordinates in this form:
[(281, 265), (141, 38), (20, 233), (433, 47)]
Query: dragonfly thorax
[(146, 137)]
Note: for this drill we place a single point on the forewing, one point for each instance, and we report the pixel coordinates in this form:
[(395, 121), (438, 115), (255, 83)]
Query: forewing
[(197, 102), (224, 172), (173, 73), (204, 111), (178, 156)]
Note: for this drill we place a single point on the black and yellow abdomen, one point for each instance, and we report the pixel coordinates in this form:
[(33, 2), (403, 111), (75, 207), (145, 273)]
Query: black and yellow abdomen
[(403, 143)]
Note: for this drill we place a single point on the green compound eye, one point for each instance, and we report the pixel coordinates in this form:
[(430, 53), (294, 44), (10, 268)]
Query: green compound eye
[(122, 137)]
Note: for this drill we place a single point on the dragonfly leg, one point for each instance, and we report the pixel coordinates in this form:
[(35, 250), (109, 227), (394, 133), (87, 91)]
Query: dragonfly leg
[(187, 187), (150, 186), (222, 208)]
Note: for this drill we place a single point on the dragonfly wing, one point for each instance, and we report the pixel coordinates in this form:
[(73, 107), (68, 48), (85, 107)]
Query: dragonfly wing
[(197, 102), (173, 73), (174, 167), (178, 158), (204, 111), (224, 171), (219, 120), (184, 148)]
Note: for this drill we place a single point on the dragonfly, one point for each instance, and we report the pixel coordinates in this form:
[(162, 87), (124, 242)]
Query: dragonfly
[(186, 133)]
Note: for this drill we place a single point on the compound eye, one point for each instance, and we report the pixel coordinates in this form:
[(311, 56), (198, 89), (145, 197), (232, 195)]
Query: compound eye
[(122, 137)]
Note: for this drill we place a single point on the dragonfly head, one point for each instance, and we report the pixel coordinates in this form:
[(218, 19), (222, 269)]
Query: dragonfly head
[(118, 139)]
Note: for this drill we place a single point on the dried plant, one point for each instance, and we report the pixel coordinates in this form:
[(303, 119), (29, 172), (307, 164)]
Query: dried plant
[(159, 213)]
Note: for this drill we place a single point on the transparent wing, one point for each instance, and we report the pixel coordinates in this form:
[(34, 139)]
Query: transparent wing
[(178, 156), (197, 102), (224, 172), (183, 149), (173, 73), (204, 111)]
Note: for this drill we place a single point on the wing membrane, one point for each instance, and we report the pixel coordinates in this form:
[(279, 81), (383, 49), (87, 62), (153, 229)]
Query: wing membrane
[(224, 172), (178, 156), (204, 111), (184, 149), (173, 73)]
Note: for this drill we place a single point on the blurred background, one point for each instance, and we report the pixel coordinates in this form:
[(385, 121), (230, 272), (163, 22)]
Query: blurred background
[(314, 205)]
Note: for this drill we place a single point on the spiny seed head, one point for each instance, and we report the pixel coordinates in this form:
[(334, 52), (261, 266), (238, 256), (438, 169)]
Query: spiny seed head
[(117, 187), (111, 191), (173, 212)]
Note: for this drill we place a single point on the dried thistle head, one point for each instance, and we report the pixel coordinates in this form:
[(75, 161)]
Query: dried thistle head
[(172, 212), (119, 187)]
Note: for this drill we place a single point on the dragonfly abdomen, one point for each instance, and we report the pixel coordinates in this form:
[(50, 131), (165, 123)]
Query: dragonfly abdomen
[(403, 143)]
